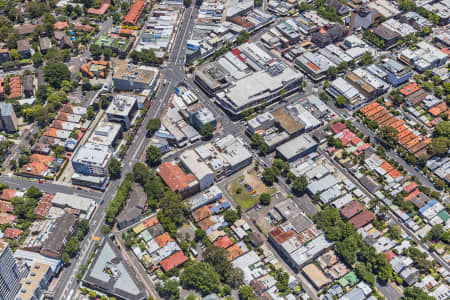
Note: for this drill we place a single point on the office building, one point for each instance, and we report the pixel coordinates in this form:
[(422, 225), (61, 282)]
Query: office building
[(297, 148)]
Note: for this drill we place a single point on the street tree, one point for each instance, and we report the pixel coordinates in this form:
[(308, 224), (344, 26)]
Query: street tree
[(300, 184), (114, 168), (153, 156), (207, 131), (153, 125)]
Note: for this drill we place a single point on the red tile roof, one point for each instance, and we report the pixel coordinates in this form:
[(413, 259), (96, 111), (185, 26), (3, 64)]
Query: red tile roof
[(223, 242), (163, 239), (412, 195), (362, 219), (201, 213), (7, 194), (338, 127), (134, 13), (409, 89), (410, 187), (6, 207), (60, 25), (390, 255), (99, 11), (351, 209), (234, 252), (150, 222), (174, 177), (12, 233), (173, 261)]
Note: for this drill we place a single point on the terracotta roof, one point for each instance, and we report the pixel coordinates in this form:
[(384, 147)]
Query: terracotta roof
[(369, 107), (173, 261), (394, 174), (38, 164), (12, 233), (150, 222), (6, 206), (60, 25), (174, 177), (440, 108), (351, 209), (134, 12), (201, 213), (7, 194), (234, 252), (163, 239), (412, 195), (362, 219), (126, 31), (206, 223), (387, 167), (6, 218), (338, 127), (390, 255), (410, 187), (409, 89), (223, 242), (99, 11)]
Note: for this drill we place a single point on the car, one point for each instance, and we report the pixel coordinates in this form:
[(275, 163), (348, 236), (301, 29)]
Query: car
[(41, 181)]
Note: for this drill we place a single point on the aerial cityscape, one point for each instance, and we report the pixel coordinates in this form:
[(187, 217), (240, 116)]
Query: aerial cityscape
[(224, 149)]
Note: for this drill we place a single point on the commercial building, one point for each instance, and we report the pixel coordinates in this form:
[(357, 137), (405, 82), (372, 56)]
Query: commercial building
[(261, 87), (202, 117), (397, 73), (92, 159), (110, 273), (328, 34), (85, 206), (297, 147), (9, 273), (8, 117), (127, 77), (425, 57), (121, 110), (341, 87), (210, 78), (315, 65), (233, 155), (192, 162)]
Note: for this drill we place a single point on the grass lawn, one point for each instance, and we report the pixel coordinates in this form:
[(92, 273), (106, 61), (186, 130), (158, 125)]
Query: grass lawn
[(246, 199)]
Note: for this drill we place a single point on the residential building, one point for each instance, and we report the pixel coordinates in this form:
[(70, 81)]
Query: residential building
[(424, 57), (106, 133), (44, 44), (8, 117), (127, 77), (389, 37), (4, 55), (315, 276), (9, 273), (134, 13), (121, 110), (64, 228), (24, 48), (186, 184), (92, 159), (28, 85)]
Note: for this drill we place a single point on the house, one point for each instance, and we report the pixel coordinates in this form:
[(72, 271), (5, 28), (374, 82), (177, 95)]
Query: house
[(101, 10), (28, 86), (60, 25), (315, 276), (173, 261), (4, 55), (362, 219), (24, 48), (44, 44)]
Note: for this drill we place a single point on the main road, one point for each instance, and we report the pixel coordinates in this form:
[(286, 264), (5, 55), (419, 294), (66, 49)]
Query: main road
[(67, 283)]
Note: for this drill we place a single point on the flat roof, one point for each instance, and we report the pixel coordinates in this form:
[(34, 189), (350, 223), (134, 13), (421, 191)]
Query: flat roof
[(121, 105), (296, 145)]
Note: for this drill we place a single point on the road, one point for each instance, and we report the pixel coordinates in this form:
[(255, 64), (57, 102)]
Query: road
[(66, 283), (436, 257)]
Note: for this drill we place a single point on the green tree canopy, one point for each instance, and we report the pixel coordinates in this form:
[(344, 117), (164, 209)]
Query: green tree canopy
[(55, 73), (153, 156), (201, 277), (114, 168)]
